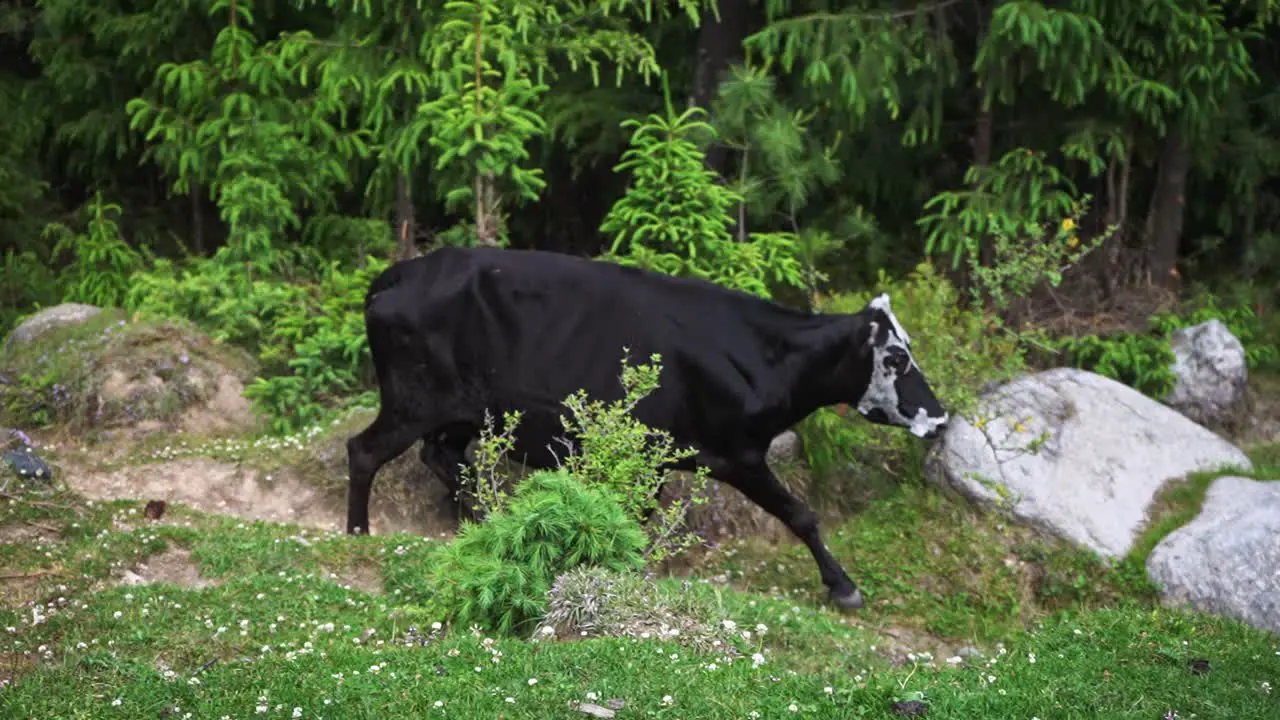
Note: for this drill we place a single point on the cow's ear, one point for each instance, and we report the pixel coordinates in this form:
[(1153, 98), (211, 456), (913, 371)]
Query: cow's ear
[(870, 331), (880, 302)]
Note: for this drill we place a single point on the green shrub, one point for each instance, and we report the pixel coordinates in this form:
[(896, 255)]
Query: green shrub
[(958, 349), (309, 335), (617, 452), (497, 573), (26, 285), (1143, 362), (1262, 350)]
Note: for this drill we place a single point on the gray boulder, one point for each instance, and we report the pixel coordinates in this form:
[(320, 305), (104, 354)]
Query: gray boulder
[(1212, 374), (785, 447), (1074, 453), (48, 319), (1227, 560)]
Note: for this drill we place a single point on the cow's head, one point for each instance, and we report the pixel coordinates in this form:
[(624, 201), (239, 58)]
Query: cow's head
[(897, 392)]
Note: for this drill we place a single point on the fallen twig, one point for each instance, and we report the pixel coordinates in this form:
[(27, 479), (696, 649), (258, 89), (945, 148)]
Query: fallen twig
[(42, 526)]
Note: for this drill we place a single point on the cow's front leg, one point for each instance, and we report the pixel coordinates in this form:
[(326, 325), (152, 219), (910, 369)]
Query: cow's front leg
[(753, 478)]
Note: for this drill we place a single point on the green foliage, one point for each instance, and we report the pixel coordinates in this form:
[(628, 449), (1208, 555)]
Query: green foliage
[(99, 273), (236, 124), (1143, 362), (958, 349), (484, 115), (1008, 205), (25, 282), (621, 453), (614, 451), (1261, 352), (675, 217), (320, 350), (497, 573)]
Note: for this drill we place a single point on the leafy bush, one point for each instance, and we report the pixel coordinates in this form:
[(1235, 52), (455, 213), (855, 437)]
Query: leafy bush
[(497, 573), (102, 262), (1261, 352), (25, 282), (309, 335), (958, 349), (1144, 361), (322, 343), (614, 450)]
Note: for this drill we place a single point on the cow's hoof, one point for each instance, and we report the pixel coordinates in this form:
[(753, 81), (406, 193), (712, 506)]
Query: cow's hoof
[(848, 601)]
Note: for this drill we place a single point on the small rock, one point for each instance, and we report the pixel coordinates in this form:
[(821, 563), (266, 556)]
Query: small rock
[(132, 578), (784, 448), (48, 319), (595, 710), (910, 708), (1198, 666), (615, 703), (969, 651), (27, 465)]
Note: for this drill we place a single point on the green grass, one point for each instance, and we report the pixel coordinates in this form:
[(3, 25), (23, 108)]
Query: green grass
[(276, 622), (933, 566)]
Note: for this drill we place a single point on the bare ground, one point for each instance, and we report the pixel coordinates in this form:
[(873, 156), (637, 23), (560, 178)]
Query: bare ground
[(217, 486)]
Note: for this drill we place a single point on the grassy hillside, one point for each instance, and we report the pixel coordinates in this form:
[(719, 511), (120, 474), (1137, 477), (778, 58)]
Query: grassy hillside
[(218, 617)]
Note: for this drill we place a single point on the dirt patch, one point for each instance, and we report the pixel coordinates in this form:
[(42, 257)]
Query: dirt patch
[(173, 566), (903, 646), (23, 589), (365, 578), (726, 513), (225, 488), (28, 532)]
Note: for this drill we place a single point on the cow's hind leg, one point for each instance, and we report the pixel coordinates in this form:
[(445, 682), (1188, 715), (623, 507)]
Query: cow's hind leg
[(444, 452), (757, 482), (386, 438)]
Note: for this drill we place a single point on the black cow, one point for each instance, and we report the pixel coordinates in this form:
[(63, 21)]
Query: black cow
[(459, 331)]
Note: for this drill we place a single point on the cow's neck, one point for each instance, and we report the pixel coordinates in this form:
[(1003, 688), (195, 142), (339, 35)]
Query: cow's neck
[(820, 366)]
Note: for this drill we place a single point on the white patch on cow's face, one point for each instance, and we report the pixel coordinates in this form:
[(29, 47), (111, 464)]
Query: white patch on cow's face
[(892, 362), (881, 303)]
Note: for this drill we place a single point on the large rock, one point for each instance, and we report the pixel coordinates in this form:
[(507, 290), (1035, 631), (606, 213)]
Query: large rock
[(1104, 452), (1212, 374), (1227, 560), (48, 319)]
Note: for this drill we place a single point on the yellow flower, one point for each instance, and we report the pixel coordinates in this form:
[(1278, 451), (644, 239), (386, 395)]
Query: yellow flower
[(1073, 241), (1068, 225)]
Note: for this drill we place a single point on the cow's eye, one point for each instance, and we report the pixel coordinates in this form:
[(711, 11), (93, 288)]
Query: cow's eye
[(897, 362)]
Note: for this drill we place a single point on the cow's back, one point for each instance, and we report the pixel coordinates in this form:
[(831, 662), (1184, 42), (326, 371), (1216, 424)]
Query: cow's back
[(528, 328)]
